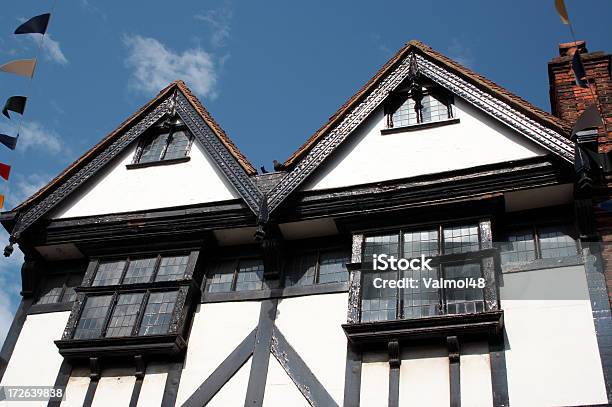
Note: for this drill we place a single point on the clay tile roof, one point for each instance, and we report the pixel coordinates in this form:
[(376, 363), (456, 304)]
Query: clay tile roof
[(483, 83), (76, 165)]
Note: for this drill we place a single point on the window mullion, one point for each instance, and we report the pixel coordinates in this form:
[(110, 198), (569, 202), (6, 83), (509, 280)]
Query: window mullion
[(108, 314), (440, 273), (124, 271), (235, 277), (317, 268), (155, 269), (166, 144), (536, 243), (140, 315), (399, 293)]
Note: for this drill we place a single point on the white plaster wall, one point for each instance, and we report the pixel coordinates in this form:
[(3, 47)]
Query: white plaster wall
[(552, 357), (216, 331), (76, 389), (424, 377), (114, 388), (374, 390), (475, 367), (368, 156), (311, 325), (280, 389), (153, 384), (233, 393), (117, 189), (35, 360)]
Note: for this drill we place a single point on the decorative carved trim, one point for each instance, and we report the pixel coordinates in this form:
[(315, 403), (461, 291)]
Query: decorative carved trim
[(541, 135), (393, 349), (89, 170), (179, 314), (225, 162), (73, 319), (354, 297)]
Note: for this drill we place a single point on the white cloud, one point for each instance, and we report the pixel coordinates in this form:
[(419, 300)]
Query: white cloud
[(22, 187), (33, 135), (155, 66), (53, 51), (219, 22), (461, 53)]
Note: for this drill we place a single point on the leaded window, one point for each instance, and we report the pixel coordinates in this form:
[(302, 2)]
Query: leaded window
[(168, 143), (417, 107), (523, 245), (235, 275), (457, 253), (140, 270), (126, 314), (316, 267), (59, 288)]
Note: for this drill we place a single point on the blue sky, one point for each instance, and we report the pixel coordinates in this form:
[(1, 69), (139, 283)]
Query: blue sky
[(270, 73)]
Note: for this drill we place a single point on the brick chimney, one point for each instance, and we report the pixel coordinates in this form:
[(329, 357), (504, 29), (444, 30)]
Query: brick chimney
[(568, 100)]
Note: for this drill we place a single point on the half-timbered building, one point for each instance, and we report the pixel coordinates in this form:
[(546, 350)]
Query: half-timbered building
[(235, 288)]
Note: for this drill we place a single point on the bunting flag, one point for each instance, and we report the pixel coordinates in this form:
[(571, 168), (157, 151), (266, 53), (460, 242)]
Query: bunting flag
[(1, 201), (589, 119), (560, 5), (579, 71), (5, 170), (21, 67), (14, 104), (35, 25), (9, 141)]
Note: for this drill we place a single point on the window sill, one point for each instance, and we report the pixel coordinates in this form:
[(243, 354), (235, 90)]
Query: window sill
[(479, 325), (134, 166), (52, 307), (419, 126), (154, 345)]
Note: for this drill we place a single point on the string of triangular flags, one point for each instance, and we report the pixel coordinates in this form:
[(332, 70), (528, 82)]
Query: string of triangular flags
[(591, 116), (25, 68)]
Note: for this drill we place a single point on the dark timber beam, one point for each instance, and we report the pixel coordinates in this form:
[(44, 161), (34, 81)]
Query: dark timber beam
[(223, 373), (454, 359), (261, 354), (352, 377), (395, 361), (300, 374)]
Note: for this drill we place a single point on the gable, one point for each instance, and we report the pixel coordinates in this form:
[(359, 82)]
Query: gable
[(369, 156), (174, 101), (412, 62), (119, 189)]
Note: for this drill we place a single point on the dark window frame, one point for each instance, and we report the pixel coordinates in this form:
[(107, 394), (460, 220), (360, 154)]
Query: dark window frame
[(485, 252), (399, 98), (158, 131), (236, 267), (126, 266), (111, 308), (316, 276), (65, 286)]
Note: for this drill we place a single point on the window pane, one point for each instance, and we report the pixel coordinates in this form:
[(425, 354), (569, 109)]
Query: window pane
[(405, 114), (109, 273), (220, 278), (378, 304), (124, 315), (140, 271), (464, 300), (384, 244), (158, 313), (433, 110), (461, 239), (332, 267), (301, 270), (92, 318), (172, 268), (152, 149), (422, 242), (518, 246), (53, 289), (178, 145), (556, 242), (421, 301), (250, 275), (74, 280)]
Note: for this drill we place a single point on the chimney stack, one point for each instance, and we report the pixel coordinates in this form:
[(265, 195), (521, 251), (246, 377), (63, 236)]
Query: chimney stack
[(568, 100)]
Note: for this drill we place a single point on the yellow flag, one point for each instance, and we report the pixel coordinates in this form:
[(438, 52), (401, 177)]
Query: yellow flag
[(1, 201), (560, 4), (22, 67)]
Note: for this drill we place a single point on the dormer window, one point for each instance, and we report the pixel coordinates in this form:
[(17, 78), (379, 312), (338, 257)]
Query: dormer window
[(417, 105), (169, 141)]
